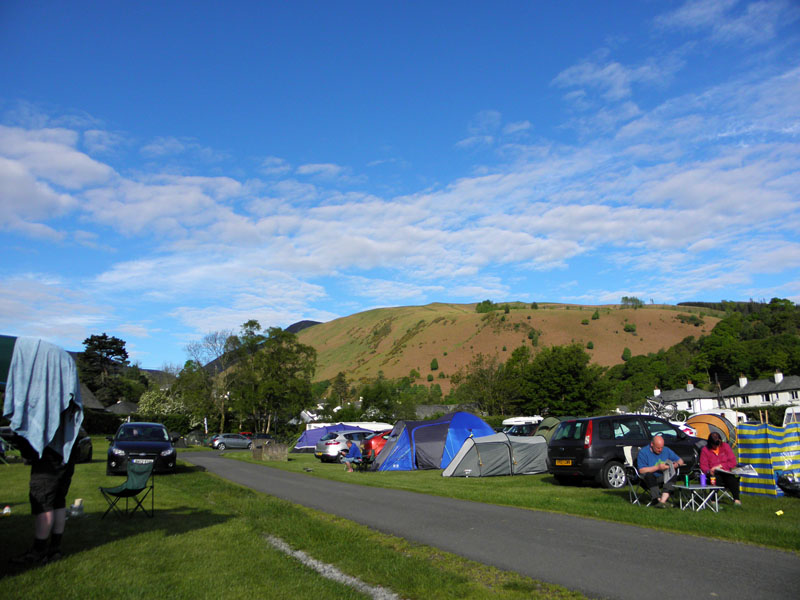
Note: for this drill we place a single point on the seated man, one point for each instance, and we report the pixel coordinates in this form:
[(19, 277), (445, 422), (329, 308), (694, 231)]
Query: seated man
[(353, 454), (658, 466)]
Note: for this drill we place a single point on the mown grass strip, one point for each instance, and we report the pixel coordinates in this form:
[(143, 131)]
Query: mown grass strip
[(208, 539)]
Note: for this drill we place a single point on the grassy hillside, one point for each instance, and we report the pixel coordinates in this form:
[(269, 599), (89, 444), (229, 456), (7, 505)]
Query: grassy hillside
[(397, 340)]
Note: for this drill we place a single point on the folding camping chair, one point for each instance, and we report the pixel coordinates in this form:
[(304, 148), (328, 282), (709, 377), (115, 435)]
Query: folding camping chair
[(637, 494), (141, 480), (365, 462)]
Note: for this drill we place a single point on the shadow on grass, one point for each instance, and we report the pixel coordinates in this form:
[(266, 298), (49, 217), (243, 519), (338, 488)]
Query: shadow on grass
[(91, 531)]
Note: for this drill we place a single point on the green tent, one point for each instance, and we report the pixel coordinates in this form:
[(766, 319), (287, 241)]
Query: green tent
[(548, 426)]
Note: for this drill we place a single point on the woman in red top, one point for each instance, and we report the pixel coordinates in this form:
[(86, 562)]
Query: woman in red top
[(718, 455)]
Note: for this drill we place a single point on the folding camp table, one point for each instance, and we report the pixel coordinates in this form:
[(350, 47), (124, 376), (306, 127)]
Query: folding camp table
[(697, 497)]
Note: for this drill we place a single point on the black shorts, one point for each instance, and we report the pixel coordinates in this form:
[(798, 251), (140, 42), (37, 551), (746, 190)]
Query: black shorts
[(50, 481)]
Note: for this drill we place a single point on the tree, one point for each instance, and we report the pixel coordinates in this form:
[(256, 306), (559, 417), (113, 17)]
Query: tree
[(478, 383), (103, 357), (194, 388), (626, 353), (104, 368), (212, 354), (631, 302), (271, 379), (434, 365), (340, 390), (562, 382), (485, 306)]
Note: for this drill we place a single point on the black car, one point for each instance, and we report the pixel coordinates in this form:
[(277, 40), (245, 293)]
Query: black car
[(81, 451), (592, 448), (141, 443)]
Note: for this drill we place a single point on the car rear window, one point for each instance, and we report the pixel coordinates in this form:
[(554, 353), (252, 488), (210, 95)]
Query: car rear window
[(329, 436), (656, 427), (570, 430)]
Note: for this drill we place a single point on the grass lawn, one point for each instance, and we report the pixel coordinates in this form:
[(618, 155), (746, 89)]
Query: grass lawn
[(756, 522), (207, 539)]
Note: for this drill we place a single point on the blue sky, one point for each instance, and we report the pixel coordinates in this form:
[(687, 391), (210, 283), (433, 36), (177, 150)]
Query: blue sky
[(171, 169)]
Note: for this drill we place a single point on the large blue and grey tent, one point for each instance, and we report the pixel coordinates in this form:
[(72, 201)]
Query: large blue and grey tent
[(428, 444), (308, 441)]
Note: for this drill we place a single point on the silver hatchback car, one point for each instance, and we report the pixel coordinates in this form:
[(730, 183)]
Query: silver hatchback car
[(231, 440), (329, 447)]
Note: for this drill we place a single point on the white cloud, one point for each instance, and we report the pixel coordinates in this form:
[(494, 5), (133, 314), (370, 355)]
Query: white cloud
[(98, 141), (50, 154), (614, 80), (320, 169), (36, 305), (25, 198), (273, 166), (163, 146), (732, 21)]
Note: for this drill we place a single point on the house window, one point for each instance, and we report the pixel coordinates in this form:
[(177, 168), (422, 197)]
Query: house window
[(745, 400), (794, 394), (765, 398)]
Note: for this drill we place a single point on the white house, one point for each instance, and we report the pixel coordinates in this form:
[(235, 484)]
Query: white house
[(689, 399), (776, 391)]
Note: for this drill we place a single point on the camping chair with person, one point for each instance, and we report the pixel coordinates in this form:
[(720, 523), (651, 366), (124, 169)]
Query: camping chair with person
[(137, 487), (637, 493)]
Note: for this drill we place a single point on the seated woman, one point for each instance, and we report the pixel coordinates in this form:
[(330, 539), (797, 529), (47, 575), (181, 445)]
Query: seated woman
[(718, 455)]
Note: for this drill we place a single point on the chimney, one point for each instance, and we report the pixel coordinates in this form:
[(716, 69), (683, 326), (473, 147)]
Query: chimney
[(656, 393), (742, 381), (778, 376), (689, 386)]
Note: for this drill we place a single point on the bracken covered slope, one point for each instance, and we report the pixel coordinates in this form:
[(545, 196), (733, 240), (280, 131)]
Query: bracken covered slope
[(397, 340)]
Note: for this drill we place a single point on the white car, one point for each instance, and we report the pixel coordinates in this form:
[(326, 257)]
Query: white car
[(329, 447)]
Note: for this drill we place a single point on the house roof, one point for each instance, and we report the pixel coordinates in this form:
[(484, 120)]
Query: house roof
[(683, 395), (123, 407), (763, 386)]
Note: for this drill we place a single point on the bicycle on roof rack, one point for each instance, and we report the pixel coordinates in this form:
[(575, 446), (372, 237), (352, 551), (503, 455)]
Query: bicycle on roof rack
[(665, 410)]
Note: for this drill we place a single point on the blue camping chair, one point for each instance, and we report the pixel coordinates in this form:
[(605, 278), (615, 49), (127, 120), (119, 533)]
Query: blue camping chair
[(137, 487)]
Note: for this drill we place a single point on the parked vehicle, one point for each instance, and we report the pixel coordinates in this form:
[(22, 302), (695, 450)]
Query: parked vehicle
[(82, 450), (84, 444), (231, 440), (330, 445), (526, 429), (592, 448), (261, 439), (374, 443), (141, 443)]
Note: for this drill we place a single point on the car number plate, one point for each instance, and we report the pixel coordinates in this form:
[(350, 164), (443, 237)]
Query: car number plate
[(317, 454), (142, 461), (563, 462)]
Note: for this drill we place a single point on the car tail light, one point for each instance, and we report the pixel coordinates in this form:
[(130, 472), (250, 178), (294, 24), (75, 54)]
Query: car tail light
[(587, 439), (331, 443)]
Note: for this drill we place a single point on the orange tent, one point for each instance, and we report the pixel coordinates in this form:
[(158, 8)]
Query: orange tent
[(705, 424)]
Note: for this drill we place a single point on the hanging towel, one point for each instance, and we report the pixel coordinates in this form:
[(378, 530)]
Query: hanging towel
[(43, 400)]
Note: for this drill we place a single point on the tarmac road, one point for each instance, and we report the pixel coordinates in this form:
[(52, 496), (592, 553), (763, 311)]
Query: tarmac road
[(598, 558)]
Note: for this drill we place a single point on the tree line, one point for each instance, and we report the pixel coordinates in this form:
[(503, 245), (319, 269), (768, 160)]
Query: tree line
[(262, 379)]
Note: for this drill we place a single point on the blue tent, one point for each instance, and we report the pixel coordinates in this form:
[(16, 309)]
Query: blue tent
[(428, 444), (308, 441)]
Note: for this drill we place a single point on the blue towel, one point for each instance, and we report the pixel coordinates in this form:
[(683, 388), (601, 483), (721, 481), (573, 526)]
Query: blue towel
[(43, 398)]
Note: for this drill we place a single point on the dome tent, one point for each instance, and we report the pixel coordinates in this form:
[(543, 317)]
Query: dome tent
[(705, 424), (428, 444), (499, 454)]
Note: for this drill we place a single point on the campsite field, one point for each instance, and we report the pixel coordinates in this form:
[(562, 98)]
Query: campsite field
[(207, 539), (756, 522)]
